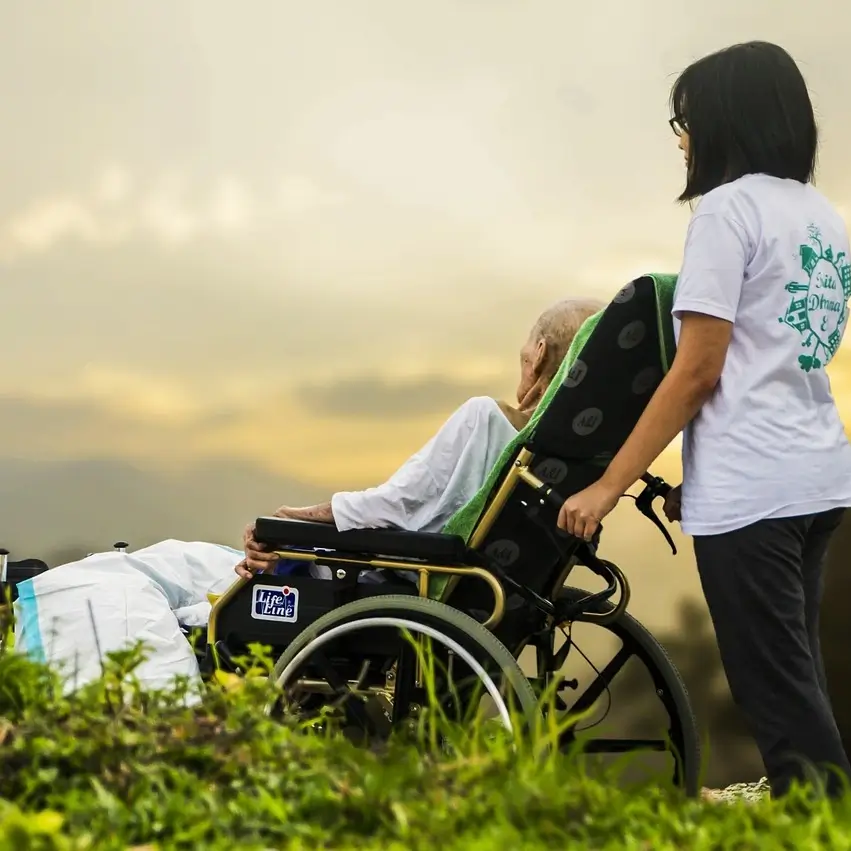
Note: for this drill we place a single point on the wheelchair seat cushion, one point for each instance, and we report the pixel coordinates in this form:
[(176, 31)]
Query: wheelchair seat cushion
[(416, 546)]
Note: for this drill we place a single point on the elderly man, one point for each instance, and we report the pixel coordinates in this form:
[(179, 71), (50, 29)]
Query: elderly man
[(108, 601), (448, 471)]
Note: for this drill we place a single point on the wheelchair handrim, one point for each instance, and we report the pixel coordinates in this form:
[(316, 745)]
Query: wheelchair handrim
[(413, 627)]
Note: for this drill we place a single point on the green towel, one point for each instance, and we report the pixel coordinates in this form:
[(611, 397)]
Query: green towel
[(464, 520)]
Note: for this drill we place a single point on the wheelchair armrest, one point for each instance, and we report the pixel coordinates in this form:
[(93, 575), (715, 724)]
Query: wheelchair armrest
[(417, 546)]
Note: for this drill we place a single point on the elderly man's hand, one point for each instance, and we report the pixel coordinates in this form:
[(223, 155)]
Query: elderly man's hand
[(287, 512), (257, 559)]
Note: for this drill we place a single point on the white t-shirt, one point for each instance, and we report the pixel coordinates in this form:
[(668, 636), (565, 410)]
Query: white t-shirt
[(772, 257), (441, 478)]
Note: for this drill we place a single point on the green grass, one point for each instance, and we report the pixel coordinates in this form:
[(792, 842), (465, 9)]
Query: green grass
[(111, 768)]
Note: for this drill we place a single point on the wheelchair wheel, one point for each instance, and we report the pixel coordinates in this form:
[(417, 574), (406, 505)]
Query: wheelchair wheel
[(361, 663), (665, 709)]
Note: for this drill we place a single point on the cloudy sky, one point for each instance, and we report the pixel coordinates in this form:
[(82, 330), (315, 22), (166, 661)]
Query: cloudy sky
[(287, 238)]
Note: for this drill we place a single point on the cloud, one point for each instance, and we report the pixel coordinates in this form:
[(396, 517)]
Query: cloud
[(63, 428), (113, 185), (232, 320), (278, 435), (143, 398), (373, 397), (44, 223), (170, 210), (298, 195)]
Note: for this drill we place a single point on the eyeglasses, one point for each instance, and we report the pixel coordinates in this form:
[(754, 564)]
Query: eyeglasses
[(678, 126)]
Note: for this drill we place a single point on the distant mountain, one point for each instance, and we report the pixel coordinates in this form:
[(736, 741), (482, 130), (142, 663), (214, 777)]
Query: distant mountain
[(57, 510)]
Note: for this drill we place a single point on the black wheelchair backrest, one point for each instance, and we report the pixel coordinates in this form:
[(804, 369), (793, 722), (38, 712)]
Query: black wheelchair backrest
[(598, 404), (608, 386)]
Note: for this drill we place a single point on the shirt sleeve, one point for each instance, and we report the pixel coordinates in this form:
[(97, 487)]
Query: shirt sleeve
[(403, 501), (391, 505), (713, 270)]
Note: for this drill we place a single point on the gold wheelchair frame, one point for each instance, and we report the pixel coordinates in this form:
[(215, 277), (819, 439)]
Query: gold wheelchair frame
[(519, 471)]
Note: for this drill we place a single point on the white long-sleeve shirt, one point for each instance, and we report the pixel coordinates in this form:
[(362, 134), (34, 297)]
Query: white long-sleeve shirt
[(438, 480)]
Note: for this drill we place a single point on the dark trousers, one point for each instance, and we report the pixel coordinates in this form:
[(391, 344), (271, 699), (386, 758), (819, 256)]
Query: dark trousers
[(763, 585)]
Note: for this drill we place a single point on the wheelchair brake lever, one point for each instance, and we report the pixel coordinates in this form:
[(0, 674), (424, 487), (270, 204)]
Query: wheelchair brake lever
[(644, 503)]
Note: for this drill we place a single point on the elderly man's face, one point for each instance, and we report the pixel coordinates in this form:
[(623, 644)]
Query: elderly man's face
[(531, 358)]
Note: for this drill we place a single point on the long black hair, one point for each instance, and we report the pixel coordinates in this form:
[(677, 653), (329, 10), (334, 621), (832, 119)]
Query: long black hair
[(746, 110)]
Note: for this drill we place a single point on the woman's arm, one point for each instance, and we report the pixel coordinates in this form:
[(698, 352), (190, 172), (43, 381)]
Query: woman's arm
[(697, 367), (701, 351)]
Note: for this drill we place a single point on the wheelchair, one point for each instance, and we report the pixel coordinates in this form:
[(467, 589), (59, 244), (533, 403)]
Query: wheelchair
[(479, 597)]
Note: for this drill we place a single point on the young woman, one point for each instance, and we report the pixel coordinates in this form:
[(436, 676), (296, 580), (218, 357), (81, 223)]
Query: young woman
[(759, 311)]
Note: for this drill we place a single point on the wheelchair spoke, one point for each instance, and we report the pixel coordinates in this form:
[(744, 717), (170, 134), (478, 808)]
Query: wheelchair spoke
[(389, 693), (665, 733), (593, 693), (602, 682)]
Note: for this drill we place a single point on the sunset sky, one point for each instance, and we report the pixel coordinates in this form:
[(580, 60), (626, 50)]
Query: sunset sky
[(293, 236)]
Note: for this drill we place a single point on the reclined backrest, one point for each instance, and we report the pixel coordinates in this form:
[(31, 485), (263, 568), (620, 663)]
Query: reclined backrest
[(648, 300), (609, 383), (614, 366)]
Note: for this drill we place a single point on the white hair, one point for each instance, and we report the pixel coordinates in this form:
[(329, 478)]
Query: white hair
[(558, 325)]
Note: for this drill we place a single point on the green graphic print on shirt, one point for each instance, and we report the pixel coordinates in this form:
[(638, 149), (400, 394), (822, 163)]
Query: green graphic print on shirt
[(818, 310)]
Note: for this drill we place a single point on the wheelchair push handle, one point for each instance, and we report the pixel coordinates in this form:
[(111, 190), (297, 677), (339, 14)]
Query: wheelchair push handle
[(654, 487)]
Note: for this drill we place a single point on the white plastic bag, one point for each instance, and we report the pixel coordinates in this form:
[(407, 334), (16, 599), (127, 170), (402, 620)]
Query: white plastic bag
[(71, 616), (186, 571)]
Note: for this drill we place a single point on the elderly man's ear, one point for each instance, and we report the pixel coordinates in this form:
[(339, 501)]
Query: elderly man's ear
[(540, 359), (538, 364), (532, 373)]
